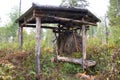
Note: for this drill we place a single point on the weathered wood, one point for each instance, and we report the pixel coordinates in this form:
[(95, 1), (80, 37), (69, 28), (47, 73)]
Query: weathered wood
[(27, 20), (20, 36), (83, 44), (70, 20), (46, 27), (88, 63), (56, 49), (54, 27), (58, 41), (37, 55)]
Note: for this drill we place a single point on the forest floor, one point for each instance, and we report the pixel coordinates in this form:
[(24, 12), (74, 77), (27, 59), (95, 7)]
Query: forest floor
[(20, 65)]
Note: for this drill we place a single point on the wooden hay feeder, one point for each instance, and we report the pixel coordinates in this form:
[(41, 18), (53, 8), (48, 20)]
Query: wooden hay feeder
[(68, 20)]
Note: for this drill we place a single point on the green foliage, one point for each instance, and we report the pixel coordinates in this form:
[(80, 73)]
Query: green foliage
[(69, 68), (29, 40), (114, 17), (24, 66), (9, 31), (4, 34), (74, 3), (48, 37), (49, 68), (92, 31), (106, 56), (113, 13), (9, 47), (5, 69)]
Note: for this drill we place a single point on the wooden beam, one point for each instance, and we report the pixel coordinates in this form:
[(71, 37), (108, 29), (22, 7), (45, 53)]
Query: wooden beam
[(83, 44), (37, 55), (20, 36), (47, 27), (53, 27), (89, 63), (70, 20), (26, 20)]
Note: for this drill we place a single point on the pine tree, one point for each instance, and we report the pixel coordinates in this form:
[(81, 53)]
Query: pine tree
[(114, 20), (74, 3), (113, 13)]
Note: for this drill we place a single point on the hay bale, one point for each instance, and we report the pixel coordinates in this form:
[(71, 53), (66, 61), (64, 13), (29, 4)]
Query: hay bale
[(70, 42)]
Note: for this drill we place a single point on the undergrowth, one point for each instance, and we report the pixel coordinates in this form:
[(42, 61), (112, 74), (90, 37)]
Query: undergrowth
[(18, 64)]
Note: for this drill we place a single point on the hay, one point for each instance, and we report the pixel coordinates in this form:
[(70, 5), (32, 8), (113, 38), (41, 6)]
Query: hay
[(70, 42)]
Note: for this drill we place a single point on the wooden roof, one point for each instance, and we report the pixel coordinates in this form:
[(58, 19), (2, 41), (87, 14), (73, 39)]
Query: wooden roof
[(52, 14)]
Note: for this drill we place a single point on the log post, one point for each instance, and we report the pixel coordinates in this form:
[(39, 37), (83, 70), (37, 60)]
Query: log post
[(58, 40), (20, 36), (89, 63), (37, 55), (83, 45)]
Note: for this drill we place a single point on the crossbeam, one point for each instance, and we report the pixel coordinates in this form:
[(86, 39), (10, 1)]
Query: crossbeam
[(47, 27), (70, 20)]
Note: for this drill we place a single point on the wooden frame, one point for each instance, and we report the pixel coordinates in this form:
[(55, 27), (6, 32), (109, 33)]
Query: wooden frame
[(38, 15), (82, 61)]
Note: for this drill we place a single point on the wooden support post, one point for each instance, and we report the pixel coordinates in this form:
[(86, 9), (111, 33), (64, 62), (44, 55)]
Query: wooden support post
[(20, 36), (37, 55), (58, 40), (84, 45), (56, 47)]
